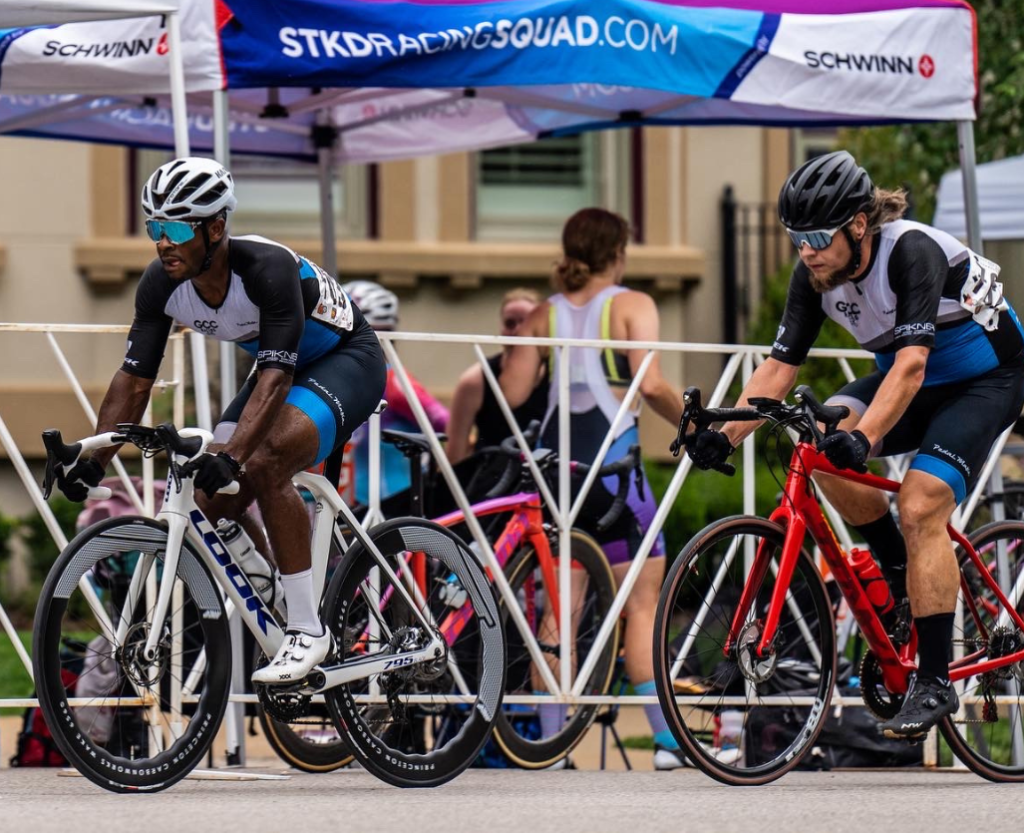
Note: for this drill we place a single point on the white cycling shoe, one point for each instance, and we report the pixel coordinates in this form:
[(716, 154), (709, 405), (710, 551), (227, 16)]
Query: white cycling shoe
[(299, 654)]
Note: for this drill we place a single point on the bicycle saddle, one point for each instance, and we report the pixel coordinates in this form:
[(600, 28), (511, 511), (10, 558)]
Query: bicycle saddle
[(410, 444)]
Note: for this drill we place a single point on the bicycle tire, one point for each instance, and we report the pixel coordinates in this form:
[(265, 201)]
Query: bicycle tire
[(772, 737), (600, 594), (93, 555), (971, 734), (388, 738), (302, 743)]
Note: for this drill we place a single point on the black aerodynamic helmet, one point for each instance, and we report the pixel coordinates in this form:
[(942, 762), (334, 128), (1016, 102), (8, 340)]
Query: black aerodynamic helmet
[(825, 193)]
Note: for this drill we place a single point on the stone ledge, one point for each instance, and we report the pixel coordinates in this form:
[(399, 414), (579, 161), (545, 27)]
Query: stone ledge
[(108, 262)]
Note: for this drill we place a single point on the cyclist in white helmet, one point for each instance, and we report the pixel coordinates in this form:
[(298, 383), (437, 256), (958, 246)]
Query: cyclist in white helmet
[(319, 375), (379, 306)]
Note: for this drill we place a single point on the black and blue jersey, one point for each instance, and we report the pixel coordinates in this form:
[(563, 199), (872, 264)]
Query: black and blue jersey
[(909, 295), (280, 307)]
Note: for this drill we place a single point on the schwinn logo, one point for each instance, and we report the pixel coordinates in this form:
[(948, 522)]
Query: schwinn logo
[(910, 330), (850, 310), (279, 356), (113, 49), (874, 63), (205, 327)]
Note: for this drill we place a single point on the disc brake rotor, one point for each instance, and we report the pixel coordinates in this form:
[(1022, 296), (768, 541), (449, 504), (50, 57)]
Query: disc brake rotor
[(754, 668)]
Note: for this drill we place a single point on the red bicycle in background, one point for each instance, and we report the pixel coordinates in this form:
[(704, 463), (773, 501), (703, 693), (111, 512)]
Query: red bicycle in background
[(744, 644)]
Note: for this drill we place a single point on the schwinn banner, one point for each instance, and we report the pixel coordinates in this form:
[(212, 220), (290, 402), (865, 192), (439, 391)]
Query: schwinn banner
[(624, 42), (111, 56), (909, 63)]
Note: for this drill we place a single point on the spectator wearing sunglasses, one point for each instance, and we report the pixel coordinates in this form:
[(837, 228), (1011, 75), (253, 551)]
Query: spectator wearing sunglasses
[(319, 375), (950, 355), (474, 404)]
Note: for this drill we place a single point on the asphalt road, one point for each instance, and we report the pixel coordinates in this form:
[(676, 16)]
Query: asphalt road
[(39, 801)]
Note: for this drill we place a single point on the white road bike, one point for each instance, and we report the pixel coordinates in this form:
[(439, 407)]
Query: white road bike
[(415, 701)]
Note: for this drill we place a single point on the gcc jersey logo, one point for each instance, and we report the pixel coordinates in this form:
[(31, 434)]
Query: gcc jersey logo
[(926, 66), (207, 328), (850, 310)]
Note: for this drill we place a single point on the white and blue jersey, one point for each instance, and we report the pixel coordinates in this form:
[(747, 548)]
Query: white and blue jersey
[(290, 315), (909, 295), (280, 307)]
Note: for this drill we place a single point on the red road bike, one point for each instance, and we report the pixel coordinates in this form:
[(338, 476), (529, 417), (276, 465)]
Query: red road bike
[(744, 645)]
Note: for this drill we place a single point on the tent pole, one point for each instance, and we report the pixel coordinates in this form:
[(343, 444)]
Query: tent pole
[(324, 137), (222, 153), (178, 106), (968, 169), (235, 717), (181, 148)]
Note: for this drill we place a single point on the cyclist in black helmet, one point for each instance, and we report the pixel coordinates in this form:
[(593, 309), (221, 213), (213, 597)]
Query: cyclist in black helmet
[(950, 355)]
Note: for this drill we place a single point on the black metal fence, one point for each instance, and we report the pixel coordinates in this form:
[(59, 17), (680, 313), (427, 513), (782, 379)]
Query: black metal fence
[(754, 247)]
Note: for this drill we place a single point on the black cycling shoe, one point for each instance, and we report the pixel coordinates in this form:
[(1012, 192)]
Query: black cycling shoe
[(928, 700)]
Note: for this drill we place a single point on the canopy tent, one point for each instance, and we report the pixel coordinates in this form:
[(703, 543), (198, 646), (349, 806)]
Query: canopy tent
[(406, 79), (41, 12), (1000, 196)]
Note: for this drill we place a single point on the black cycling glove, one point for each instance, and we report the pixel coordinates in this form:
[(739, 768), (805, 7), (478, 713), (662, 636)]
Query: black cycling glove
[(75, 484), (212, 472), (710, 449), (846, 450)]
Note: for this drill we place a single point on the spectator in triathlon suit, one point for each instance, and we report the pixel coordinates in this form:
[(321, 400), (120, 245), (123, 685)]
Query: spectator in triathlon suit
[(319, 375), (380, 309), (474, 403), (950, 378), (593, 304)]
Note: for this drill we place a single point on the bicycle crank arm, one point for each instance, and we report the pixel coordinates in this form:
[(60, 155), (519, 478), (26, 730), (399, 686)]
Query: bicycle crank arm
[(360, 669)]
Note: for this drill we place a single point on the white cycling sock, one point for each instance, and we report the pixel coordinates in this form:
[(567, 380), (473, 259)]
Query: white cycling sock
[(298, 595)]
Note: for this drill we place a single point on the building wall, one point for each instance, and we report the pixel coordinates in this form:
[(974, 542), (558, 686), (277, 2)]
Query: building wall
[(65, 257)]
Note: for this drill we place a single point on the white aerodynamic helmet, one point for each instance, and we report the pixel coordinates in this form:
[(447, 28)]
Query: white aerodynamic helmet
[(188, 187), (378, 305)]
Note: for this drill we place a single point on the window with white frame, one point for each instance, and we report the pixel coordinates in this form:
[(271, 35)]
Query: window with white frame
[(527, 191), (280, 198)]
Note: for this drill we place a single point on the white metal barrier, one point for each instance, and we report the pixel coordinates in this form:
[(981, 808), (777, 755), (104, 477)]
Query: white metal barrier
[(741, 361), (144, 504)]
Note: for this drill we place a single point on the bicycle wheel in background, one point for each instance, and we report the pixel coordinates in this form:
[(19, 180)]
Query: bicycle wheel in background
[(742, 719), (119, 743), (987, 733), (400, 724), (593, 591)]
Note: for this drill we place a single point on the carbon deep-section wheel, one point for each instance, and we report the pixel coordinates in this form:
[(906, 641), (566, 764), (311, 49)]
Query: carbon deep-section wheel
[(422, 724), (126, 720)]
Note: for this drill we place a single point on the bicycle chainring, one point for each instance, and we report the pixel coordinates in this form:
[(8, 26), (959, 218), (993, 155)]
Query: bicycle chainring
[(883, 704), (283, 703)]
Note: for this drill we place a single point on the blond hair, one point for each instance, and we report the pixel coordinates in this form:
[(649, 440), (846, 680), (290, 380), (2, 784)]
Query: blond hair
[(520, 293), (886, 207)]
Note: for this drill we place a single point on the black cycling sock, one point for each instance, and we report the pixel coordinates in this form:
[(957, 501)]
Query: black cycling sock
[(884, 538), (935, 644)]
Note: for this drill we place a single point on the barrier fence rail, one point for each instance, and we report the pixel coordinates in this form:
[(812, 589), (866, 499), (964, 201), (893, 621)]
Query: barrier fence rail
[(741, 361)]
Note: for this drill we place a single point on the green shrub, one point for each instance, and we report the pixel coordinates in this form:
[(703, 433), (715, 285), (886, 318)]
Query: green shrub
[(824, 376)]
